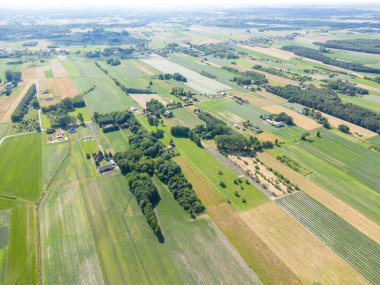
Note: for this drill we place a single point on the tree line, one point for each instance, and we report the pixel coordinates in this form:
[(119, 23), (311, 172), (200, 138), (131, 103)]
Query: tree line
[(317, 55), (328, 102), (145, 157), (345, 87), (29, 100), (360, 45)]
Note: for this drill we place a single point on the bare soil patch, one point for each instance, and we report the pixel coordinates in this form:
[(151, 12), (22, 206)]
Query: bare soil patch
[(347, 213), (299, 119), (272, 51), (305, 255), (58, 69)]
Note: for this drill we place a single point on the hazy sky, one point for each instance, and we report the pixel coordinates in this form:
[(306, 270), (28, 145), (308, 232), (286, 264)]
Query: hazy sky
[(169, 3)]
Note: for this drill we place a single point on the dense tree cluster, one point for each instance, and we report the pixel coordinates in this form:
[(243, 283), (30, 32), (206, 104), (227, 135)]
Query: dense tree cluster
[(247, 77), (176, 76), (235, 141), (147, 155), (316, 115), (317, 55), (284, 118), (29, 100), (179, 92), (155, 108), (330, 103), (213, 126), (110, 122), (345, 87), (146, 193), (113, 61), (58, 113), (180, 131), (12, 76), (360, 45)]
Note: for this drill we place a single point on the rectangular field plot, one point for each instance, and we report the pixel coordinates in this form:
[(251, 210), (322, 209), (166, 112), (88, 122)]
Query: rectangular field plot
[(21, 167), (358, 250), (142, 99), (196, 81)]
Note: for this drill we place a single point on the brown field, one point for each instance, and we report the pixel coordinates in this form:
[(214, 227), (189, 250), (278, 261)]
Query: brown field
[(58, 69), (267, 136), (63, 87), (142, 99), (304, 254), (256, 253), (275, 52), (9, 103), (354, 129), (347, 213), (143, 67), (273, 98), (299, 119)]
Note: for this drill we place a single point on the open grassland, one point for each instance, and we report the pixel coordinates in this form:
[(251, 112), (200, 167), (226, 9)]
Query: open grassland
[(114, 141), (4, 129), (128, 251), (68, 251), (21, 263), (304, 254), (185, 117), (106, 97), (195, 80), (357, 249), (370, 101), (345, 169), (201, 254), (21, 167), (5, 216), (349, 214)]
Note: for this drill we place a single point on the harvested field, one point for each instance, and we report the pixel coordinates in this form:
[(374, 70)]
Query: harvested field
[(58, 69), (299, 119), (142, 99), (277, 79), (308, 257), (196, 81), (63, 87), (9, 103), (275, 99), (354, 129), (344, 211), (358, 250), (275, 52)]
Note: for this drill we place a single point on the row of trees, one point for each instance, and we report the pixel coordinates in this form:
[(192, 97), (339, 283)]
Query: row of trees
[(317, 55), (176, 76), (361, 45), (330, 103), (145, 157), (124, 88), (147, 196), (247, 77), (29, 100), (185, 132)]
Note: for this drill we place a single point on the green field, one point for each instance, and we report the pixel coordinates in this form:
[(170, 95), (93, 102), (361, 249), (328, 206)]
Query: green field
[(21, 156), (48, 74), (68, 251), (106, 97), (345, 169)]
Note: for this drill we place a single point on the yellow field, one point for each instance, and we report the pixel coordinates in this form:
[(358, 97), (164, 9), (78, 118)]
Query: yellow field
[(271, 51), (305, 255)]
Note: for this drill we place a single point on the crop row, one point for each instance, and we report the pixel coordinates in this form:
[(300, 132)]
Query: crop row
[(357, 249)]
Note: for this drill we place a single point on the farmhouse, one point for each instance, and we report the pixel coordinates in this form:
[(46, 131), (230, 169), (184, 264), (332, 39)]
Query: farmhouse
[(105, 168), (275, 123)]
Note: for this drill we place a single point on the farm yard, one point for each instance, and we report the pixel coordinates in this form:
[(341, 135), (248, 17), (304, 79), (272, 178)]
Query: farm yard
[(218, 180)]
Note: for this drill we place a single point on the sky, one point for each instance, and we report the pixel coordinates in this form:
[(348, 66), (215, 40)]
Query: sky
[(169, 3)]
